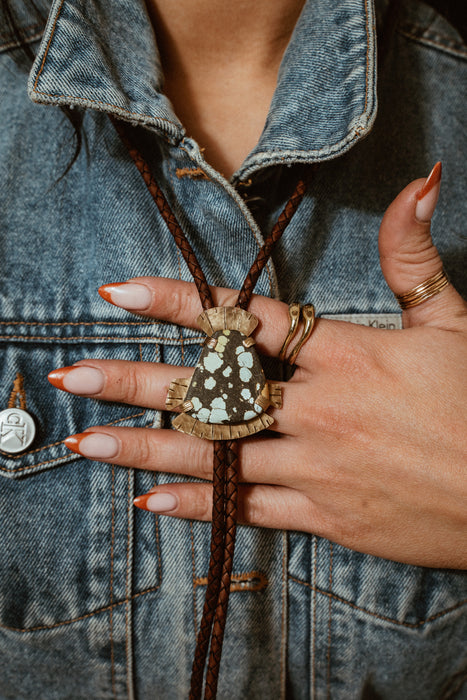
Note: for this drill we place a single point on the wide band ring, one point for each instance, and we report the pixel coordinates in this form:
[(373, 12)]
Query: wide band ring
[(432, 286), (307, 312)]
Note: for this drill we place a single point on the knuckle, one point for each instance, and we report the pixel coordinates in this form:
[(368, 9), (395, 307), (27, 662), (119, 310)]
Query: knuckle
[(130, 385), (145, 450), (180, 305), (201, 504), (200, 455)]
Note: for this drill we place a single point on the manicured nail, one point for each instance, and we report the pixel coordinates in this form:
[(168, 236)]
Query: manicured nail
[(128, 295), (156, 502), (427, 197), (78, 379), (93, 445)]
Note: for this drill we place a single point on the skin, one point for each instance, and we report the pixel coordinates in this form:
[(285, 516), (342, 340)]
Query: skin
[(370, 446), (211, 76)]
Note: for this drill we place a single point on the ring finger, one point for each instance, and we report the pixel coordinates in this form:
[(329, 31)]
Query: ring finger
[(176, 453)]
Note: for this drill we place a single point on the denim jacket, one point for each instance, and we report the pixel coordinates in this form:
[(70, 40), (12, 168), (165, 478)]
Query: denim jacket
[(98, 599)]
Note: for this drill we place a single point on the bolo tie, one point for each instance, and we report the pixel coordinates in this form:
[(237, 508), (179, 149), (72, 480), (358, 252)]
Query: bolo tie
[(225, 400)]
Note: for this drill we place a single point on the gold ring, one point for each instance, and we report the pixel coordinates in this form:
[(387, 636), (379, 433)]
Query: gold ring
[(294, 315), (308, 314), (422, 292)]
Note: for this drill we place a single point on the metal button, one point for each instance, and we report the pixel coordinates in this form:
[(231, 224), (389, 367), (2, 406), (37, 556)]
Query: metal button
[(17, 430)]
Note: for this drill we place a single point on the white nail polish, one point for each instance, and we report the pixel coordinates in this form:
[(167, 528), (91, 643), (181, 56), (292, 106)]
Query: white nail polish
[(84, 380), (98, 446), (131, 296)]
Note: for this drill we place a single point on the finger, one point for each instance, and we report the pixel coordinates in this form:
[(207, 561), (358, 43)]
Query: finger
[(409, 258), (146, 384), (261, 505), (178, 302), (135, 383), (263, 460)]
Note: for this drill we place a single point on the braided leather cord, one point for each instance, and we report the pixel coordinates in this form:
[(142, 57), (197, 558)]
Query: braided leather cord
[(217, 638), (167, 214), (215, 569), (225, 463), (268, 245)]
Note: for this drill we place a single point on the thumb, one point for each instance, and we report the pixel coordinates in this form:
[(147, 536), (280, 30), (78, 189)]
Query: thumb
[(408, 256)]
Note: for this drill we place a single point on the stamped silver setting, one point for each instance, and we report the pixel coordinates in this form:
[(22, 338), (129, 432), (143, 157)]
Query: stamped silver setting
[(17, 430)]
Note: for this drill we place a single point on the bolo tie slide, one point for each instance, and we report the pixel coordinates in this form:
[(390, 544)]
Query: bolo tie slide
[(226, 399)]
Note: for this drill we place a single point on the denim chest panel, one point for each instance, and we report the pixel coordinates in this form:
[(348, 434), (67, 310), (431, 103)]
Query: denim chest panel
[(97, 597)]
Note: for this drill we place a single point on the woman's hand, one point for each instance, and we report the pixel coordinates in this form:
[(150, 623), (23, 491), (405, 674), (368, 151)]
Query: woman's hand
[(372, 448)]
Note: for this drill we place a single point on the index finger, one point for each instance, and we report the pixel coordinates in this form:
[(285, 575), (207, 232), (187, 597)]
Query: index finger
[(178, 302)]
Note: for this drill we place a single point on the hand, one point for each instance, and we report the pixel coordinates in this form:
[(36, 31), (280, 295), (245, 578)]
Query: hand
[(372, 446)]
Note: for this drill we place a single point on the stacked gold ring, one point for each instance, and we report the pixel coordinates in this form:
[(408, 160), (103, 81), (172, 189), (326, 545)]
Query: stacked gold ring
[(432, 286), (295, 312)]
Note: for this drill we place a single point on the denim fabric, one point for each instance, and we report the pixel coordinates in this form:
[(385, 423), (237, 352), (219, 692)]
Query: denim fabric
[(98, 599)]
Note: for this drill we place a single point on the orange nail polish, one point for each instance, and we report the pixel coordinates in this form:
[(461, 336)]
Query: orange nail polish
[(106, 290), (73, 441), (141, 501), (160, 502), (57, 376), (432, 180)]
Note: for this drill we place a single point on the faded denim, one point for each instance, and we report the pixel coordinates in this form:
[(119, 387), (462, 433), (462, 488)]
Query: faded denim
[(101, 600)]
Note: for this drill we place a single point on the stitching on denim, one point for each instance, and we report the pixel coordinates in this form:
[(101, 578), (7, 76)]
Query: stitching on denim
[(54, 444), (48, 44), (127, 604), (410, 625), (435, 42), (245, 581), (112, 543), (313, 631), (156, 339), (81, 617), (245, 219), (193, 173), (106, 104), (367, 68), (16, 44), (328, 654), (18, 393), (81, 323), (283, 651), (193, 576)]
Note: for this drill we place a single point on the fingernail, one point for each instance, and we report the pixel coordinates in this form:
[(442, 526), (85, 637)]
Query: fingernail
[(93, 445), (78, 380), (427, 197), (128, 295), (157, 502)]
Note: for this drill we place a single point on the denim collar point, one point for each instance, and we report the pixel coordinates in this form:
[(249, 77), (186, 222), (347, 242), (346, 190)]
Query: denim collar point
[(325, 94), (84, 61)]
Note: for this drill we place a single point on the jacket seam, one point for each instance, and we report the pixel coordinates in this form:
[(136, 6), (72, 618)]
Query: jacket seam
[(435, 41), (197, 339), (106, 608), (410, 625)]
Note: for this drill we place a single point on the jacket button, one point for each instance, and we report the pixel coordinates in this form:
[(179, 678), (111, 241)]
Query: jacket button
[(17, 430)]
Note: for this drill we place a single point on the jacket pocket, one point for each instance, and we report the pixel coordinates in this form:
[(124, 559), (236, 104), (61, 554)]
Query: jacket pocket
[(66, 521)]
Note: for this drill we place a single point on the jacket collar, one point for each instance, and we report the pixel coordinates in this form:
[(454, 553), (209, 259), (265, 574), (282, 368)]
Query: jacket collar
[(102, 55)]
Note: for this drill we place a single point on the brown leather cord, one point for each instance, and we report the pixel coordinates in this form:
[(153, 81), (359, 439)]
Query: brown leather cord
[(225, 462), (217, 638), (214, 571), (267, 248), (123, 130)]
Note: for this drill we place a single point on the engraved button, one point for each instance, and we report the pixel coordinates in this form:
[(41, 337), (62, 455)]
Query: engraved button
[(17, 430)]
